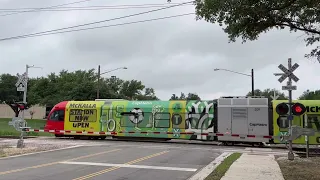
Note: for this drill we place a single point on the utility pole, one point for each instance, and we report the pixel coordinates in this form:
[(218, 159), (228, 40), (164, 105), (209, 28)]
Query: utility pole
[(251, 75), (99, 77), (98, 85), (252, 82)]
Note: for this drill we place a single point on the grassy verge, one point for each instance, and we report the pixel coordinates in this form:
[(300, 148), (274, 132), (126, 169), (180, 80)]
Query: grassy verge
[(7, 130), (222, 168), (300, 169)]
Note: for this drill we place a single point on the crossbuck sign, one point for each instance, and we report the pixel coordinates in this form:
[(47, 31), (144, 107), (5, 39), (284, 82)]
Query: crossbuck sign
[(288, 73)]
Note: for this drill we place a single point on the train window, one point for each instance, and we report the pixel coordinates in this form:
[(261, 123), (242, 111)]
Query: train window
[(133, 119), (162, 120), (146, 122), (57, 115), (314, 122)]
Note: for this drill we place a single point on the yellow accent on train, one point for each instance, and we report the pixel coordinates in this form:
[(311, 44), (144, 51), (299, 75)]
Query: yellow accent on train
[(280, 123), (83, 116)]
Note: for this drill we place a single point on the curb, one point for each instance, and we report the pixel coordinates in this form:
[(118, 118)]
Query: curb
[(17, 137), (204, 172)]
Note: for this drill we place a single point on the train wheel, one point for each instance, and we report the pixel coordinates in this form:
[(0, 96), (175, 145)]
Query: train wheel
[(76, 137), (58, 135), (103, 137), (225, 143), (261, 145), (95, 137)]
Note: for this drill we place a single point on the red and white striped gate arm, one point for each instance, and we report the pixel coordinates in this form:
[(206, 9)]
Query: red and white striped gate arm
[(145, 132)]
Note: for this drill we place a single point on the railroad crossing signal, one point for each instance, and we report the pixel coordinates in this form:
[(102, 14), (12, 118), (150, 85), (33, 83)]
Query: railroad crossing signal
[(288, 73), (21, 83), (297, 109), (18, 123)]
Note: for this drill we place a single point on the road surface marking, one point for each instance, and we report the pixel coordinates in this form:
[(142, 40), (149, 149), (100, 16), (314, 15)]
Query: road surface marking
[(115, 168), (204, 172), (59, 149), (132, 166), (57, 162)]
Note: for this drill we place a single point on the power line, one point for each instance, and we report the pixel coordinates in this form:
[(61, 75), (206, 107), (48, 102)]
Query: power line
[(93, 9), (97, 22), (98, 27), (37, 9), (106, 6)]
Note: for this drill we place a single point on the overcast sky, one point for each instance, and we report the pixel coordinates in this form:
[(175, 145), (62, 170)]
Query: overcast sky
[(172, 55)]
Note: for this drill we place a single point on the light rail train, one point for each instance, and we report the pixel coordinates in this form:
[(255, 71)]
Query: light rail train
[(230, 120)]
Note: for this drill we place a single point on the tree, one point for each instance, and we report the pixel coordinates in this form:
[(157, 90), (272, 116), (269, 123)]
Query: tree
[(78, 85), (149, 94), (174, 97), (268, 93), (190, 96), (8, 90), (248, 19), (310, 95), (193, 96)]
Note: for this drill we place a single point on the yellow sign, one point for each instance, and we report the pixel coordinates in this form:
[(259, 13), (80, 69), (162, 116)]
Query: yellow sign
[(83, 115)]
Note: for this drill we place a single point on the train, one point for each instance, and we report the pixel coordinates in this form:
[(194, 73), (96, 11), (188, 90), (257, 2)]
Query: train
[(229, 120)]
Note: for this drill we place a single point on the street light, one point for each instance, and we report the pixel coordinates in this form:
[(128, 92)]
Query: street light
[(252, 77), (99, 74)]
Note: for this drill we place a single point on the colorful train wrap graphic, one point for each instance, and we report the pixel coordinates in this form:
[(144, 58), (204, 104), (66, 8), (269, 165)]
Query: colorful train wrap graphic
[(224, 119)]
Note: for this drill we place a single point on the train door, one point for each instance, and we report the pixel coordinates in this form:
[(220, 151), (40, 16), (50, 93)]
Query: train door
[(239, 124)]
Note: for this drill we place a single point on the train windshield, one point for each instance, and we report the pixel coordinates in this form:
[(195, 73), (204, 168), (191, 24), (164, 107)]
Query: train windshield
[(57, 115)]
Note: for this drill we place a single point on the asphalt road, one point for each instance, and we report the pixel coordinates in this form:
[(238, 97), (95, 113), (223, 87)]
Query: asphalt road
[(115, 161)]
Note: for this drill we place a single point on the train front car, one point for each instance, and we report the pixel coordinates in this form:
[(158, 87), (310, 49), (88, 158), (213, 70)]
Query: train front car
[(55, 119), (308, 119)]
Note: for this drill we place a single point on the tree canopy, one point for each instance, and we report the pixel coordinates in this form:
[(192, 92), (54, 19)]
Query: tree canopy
[(77, 85), (310, 95), (190, 96), (268, 93), (249, 18)]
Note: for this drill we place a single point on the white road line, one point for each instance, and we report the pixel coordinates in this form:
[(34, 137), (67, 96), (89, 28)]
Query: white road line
[(39, 152), (131, 166), (204, 172)]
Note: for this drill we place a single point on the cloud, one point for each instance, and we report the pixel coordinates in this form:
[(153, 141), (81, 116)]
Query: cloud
[(174, 55)]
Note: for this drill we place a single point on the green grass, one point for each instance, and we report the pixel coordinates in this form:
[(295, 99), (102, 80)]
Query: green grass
[(7, 130), (222, 168)]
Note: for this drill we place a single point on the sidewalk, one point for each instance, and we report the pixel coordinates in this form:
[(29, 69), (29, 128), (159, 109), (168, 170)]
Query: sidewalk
[(254, 167)]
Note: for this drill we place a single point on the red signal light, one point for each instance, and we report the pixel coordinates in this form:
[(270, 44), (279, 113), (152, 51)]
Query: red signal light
[(282, 108), (298, 109)]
